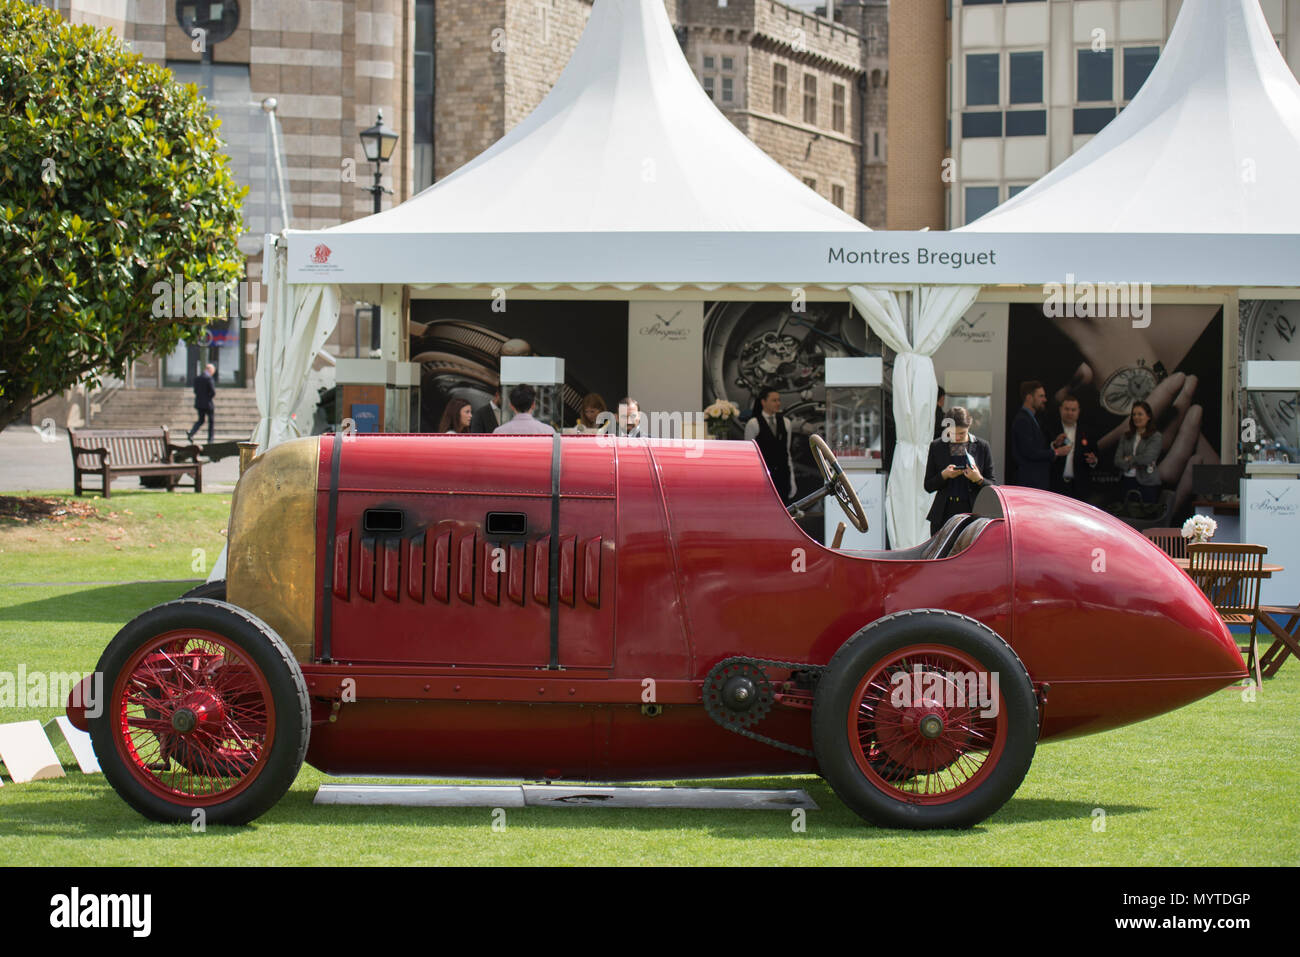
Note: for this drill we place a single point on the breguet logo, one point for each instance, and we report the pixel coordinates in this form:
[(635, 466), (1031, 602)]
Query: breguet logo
[(662, 328), (1272, 503), (966, 330)]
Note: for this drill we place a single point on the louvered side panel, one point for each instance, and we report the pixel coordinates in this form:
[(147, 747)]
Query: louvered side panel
[(515, 572), (494, 563), (442, 566), (541, 570), (415, 568), (568, 557), (392, 568), (591, 572), (366, 569), (465, 550), (343, 565)]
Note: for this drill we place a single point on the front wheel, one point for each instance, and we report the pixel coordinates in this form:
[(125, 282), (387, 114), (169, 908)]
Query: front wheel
[(925, 719), (206, 714)]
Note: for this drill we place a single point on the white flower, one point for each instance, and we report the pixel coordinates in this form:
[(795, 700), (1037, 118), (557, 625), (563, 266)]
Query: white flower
[(1200, 526)]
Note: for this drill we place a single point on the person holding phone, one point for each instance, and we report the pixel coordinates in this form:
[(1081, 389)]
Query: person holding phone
[(956, 470)]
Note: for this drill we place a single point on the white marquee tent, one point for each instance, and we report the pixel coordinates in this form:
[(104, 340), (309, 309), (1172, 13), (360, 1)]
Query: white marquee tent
[(1210, 144)]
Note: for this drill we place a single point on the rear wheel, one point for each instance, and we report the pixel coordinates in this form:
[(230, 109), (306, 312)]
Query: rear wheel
[(925, 719), (206, 710)]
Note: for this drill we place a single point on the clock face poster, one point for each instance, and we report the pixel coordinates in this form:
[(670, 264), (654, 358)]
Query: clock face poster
[(1171, 358)]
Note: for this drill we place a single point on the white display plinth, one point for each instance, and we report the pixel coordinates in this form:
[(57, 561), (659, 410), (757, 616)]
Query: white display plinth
[(870, 486), (1270, 515)]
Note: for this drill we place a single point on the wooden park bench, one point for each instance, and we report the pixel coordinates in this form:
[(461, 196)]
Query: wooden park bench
[(109, 452)]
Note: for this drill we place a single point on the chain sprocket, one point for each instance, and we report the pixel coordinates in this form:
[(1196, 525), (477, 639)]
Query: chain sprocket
[(741, 721)]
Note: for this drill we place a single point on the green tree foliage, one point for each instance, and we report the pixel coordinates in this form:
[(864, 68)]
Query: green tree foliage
[(112, 179)]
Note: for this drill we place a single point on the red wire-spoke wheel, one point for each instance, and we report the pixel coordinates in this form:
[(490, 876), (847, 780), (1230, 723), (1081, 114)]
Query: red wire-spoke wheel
[(929, 724), (925, 719), (206, 709)]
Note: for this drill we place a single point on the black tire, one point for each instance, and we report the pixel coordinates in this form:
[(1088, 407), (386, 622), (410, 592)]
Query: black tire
[(267, 674), (881, 797), (215, 590)]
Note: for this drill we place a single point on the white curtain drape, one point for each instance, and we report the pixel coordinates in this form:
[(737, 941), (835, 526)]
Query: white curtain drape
[(932, 311), (296, 324)]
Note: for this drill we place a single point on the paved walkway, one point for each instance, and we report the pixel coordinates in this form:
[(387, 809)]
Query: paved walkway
[(30, 460)]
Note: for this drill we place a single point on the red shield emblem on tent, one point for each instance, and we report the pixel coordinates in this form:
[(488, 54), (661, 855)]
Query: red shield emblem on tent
[(321, 254)]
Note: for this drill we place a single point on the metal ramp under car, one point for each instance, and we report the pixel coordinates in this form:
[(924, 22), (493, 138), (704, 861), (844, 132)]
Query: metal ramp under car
[(564, 795)]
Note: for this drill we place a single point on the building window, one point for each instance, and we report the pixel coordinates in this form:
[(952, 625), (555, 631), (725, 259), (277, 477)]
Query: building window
[(1026, 123), (875, 145), (982, 79), (979, 200), (1092, 119), (727, 64), (981, 124), (779, 75), (1138, 64), (1095, 80), (810, 99), (422, 144), (1015, 190), (708, 64), (810, 182), (708, 86), (837, 195), (837, 107), (1026, 77), (728, 89)]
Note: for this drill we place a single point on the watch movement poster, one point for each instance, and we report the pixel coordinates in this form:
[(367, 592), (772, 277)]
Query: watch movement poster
[(1175, 363), (459, 344), (753, 345)]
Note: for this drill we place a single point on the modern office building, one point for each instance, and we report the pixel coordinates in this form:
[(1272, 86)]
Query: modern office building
[(1030, 81)]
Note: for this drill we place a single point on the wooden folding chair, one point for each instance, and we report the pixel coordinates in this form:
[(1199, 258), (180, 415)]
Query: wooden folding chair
[(1286, 636), (1168, 540), (1230, 574)]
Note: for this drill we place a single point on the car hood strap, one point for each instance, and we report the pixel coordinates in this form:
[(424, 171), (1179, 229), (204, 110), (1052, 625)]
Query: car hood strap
[(331, 531), (553, 588)]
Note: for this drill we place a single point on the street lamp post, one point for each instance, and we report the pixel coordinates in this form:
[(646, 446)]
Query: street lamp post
[(378, 144)]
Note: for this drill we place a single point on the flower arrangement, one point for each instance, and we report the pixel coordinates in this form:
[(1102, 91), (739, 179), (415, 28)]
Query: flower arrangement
[(719, 416), (1199, 528)]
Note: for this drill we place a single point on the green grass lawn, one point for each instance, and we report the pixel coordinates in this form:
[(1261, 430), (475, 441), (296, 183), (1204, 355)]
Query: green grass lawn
[(1213, 784)]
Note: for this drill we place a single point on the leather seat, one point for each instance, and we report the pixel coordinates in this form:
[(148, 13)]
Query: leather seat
[(967, 537)]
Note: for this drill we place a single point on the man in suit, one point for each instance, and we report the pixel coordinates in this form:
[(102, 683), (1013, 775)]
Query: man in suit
[(205, 391), (1072, 472), (487, 417), (523, 399), (939, 413), (1030, 452), (956, 470)]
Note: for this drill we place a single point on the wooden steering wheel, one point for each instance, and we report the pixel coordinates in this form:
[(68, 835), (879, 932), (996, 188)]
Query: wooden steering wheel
[(837, 481)]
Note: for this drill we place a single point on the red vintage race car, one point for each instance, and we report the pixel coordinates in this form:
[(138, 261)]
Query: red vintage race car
[(609, 610)]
